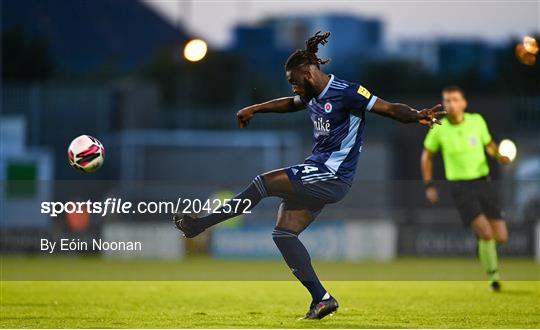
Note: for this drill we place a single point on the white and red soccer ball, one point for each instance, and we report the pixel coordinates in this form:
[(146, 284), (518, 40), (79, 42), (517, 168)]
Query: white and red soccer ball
[(86, 153)]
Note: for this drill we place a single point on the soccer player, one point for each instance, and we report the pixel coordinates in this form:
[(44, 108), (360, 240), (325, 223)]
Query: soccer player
[(338, 110), (462, 139)]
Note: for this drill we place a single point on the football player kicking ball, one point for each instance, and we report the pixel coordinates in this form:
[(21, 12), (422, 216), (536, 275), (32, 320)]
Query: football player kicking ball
[(464, 140), (338, 110)]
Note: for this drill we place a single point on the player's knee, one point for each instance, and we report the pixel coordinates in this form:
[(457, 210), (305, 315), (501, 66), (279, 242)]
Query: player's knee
[(501, 238), (500, 232), (482, 228), (483, 232)]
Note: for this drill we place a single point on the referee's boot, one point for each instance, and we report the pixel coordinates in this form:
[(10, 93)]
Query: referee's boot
[(495, 286), (187, 225)]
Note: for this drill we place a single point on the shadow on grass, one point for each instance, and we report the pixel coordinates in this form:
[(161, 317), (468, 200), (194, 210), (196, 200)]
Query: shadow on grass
[(519, 292)]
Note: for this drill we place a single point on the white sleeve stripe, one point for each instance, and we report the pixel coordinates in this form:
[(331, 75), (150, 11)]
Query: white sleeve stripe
[(371, 103)]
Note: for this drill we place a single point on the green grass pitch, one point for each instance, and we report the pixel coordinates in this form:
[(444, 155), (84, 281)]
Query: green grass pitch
[(259, 304)]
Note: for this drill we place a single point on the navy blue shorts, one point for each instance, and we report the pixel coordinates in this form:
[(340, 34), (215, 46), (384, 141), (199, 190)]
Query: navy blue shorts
[(315, 186)]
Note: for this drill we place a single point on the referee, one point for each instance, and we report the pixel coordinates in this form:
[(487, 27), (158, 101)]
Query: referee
[(462, 139)]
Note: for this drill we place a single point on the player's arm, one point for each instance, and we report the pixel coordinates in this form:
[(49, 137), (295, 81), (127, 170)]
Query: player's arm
[(281, 105), (492, 149), (426, 164), (431, 144), (405, 114)]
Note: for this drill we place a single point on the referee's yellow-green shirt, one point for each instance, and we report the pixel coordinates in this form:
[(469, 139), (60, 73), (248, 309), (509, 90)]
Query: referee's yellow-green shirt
[(462, 146)]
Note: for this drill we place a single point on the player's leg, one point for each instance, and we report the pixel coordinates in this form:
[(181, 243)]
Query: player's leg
[(274, 183), (482, 227), (489, 202), (500, 231), (290, 223), (487, 249), (468, 202)]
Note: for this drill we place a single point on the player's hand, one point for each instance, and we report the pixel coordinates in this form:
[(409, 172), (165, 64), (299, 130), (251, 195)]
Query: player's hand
[(432, 195), (244, 116), (430, 116), (504, 160)]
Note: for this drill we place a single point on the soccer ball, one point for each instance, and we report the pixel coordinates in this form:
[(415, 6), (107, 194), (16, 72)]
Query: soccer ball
[(86, 153)]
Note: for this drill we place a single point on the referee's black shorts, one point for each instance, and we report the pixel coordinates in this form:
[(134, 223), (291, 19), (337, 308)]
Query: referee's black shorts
[(474, 197)]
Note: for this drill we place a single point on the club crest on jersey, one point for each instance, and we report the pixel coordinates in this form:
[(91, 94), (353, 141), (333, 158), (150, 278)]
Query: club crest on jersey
[(328, 107)]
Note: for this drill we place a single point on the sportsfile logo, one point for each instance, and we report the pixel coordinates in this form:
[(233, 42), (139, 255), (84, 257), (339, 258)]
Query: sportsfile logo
[(119, 206), (322, 127)]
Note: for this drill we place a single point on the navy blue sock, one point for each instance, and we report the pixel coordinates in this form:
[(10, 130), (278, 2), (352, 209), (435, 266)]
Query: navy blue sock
[(297, 258), (254, 193)]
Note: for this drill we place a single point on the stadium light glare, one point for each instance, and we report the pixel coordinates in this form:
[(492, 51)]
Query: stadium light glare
[(195, 50), (530, 44), (524, 56)]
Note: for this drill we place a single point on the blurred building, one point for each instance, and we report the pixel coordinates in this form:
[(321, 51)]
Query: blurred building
[(459, 57), (426, 52), (354, 41), (452, 57), (89, 35)]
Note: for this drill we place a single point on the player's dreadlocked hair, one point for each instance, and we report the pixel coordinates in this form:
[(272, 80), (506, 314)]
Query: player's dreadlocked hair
[(309, 55)]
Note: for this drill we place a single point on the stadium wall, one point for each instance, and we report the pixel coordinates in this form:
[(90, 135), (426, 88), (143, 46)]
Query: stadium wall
[(344, 240)]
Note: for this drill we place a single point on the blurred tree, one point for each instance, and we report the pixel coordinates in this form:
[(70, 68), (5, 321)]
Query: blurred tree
[(470, 80), (24, 59), (209, 83), (215, 80), (516, 77), (164, 70)]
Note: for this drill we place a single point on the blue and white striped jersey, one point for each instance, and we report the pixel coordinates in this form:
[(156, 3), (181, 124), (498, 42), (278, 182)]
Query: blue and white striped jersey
[(338, 116)]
